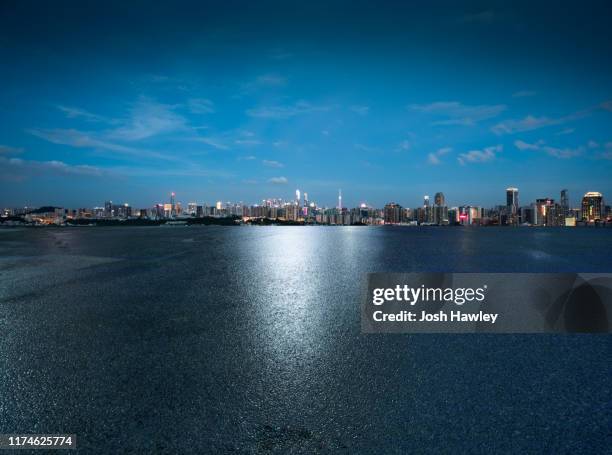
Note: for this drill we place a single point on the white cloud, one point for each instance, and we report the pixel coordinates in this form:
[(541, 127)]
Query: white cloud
[(522, 145), (84, 139), (361, 110), (479, 156), (147, 119), (271, 80), (434, 158), (27, 168), (247, 142), (282, 112), (555, 152), (527, 124), (201, 106), (366, 148), (7, 150), (458, 113), (213, 142), (565, 131), (278, 180), (531, 122), (75, 112), (272, 163), (405, 145)]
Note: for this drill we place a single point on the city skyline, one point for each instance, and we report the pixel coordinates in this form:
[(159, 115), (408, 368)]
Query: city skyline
[(541, 212), (387, 102), (563, 195)]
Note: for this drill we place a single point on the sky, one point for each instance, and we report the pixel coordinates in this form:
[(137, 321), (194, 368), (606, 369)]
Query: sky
[(240, 101)]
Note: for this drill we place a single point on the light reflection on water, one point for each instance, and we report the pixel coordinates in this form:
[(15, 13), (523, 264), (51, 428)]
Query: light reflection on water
[(214, 333)]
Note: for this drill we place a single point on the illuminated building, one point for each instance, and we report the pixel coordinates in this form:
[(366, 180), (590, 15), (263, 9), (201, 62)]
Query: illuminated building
[(393, 213), (512, 199), (108, 209), (291, 212), (440, 211), (592, 207), (512, 205), (542, 211), (565, 204)]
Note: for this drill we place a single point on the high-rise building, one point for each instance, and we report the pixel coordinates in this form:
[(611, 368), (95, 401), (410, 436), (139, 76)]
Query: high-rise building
[(191, 208), (340, 200), (592, 207), (542, 211), (297, 197), (291, 212), (512, 203), (168, 211), (512, 198), (565, 203), (440, 211), (108, 209), (393, 213)]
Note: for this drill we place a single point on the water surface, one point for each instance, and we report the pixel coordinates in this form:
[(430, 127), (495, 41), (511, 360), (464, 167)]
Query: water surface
[(247, 339)]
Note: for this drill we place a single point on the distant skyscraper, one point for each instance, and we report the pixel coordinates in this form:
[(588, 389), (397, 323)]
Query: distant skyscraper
[(191, 208), (426, 201), (512, 199), (305, 199), (297, 197), (339, 199), (512, 206), (543, 208), (565, 203), (108, 209), (440, 211), (592, 206), (393, 213)]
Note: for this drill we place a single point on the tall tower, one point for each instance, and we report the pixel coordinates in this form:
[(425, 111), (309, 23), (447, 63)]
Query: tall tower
[(172, 203), (512, 206), (512, 199), (340, 199), (439, 199), (565, 204), (592, 207), (297, 197)]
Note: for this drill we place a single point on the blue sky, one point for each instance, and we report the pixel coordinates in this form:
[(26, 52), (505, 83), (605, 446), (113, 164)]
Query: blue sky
[(240, 102)]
